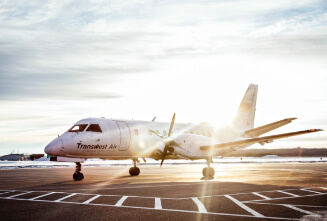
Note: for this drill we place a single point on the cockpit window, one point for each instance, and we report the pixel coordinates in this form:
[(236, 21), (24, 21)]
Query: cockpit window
[(94, 128), (78, 128)]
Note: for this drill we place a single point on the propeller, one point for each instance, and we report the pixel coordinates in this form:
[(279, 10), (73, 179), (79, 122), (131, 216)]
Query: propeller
[(167, 141)]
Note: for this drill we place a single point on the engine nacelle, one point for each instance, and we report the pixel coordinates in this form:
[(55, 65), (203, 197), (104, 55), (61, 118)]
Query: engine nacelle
[(188, 146)]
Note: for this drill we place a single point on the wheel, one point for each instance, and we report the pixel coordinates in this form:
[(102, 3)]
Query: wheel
[(78, 176), (208, 172), (131, 171), (134, 171), (205, 172), (211, 172)]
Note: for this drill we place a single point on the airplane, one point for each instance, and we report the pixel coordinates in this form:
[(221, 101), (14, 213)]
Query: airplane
[(115, 139)]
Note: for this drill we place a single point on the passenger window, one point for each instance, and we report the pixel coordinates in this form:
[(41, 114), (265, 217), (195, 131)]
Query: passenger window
[(136, 132), (94, 128), (78, 128), (164, 133)]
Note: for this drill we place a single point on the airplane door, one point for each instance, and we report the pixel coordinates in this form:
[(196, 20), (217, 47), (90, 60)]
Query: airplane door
[(125, 136)]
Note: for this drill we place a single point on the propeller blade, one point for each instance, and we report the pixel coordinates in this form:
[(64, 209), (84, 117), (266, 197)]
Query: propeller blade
[(171, 125), (168, 141), (164, 154), (154, 132)]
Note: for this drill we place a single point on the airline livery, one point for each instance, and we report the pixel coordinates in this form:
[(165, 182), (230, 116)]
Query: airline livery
[(130, 139)]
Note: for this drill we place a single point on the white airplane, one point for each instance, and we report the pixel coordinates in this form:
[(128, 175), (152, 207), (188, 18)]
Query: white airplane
[(129, 139)]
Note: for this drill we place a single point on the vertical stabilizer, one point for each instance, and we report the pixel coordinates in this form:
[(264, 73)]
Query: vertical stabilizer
[(244, 119)]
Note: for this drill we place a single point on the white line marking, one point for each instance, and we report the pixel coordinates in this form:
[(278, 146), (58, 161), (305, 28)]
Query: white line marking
[(65, 197), (90, 200), (300, 210), (288, 197), (41, 196), (157, 203), (200, 205), (6, 192), (262, 196), (148, 208), (325, 188), (287, 204), (121, 201), (235, 194), (291, 194), (311, 191), (254, 213), (18, 195)]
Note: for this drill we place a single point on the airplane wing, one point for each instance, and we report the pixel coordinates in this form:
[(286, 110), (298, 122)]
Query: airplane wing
[(266, 139), (255, 132)]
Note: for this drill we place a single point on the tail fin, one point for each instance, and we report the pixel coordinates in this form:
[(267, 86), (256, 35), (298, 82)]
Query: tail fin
[(244, 119)]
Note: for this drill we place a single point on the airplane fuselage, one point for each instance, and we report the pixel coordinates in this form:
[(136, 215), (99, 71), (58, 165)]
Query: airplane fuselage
[(125, 139)]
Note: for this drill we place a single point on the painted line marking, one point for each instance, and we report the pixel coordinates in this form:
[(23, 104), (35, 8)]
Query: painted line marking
[(90, 200), (148, 208), (157, 203), (232, 194), (42, 196), (288, 197), (7, 192), (262, 196), (18, 194), (254, 213), (236, 194), (278, 204), (325, 188), (121, 201), (291, 194), (311, 191), (65, 197), (300, 210), (200, 205)]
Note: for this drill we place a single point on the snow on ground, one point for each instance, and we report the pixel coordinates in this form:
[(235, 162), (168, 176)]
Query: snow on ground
[(45, 163)]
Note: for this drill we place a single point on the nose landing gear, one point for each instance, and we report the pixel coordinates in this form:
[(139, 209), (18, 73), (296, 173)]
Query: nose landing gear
[(134, 171), (78, 175)]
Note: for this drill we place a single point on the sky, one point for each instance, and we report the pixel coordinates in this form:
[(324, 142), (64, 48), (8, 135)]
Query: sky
[(61, 61)]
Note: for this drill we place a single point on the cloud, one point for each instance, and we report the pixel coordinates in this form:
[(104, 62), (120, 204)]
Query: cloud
[(57, 56)]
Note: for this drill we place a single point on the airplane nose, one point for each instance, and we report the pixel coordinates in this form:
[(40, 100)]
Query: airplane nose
[(53, 148)]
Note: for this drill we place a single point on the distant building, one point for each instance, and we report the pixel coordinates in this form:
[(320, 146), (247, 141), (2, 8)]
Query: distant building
[(15, 157), (21, 157), (35, 156)]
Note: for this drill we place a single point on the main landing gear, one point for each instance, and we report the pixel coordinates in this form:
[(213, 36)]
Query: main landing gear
[(134, 171), (208, 171), (78, 175)]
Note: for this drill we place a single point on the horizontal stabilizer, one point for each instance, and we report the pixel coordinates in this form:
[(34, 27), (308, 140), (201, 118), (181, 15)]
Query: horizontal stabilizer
[(267, 139), (255, 132)]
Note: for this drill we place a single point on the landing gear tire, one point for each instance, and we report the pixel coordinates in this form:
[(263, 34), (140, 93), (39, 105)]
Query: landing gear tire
[(78, 176), (134, 171), (208, 172)]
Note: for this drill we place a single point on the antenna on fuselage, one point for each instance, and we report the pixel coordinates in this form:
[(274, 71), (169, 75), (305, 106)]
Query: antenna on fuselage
[(154, 119)]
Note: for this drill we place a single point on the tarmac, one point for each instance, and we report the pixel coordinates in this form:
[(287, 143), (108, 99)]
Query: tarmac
[(241, 191)]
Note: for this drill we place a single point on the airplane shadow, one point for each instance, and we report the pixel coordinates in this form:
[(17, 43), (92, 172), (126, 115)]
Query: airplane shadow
[(207, 178)]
